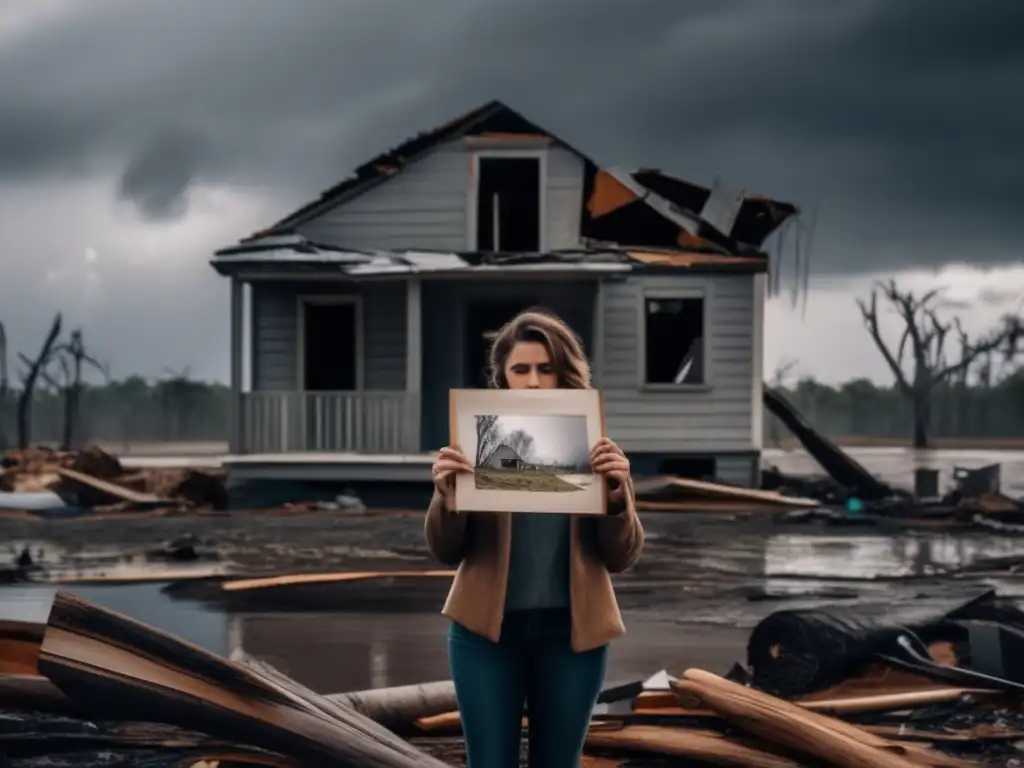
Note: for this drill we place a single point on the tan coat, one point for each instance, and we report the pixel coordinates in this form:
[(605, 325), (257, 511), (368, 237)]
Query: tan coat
[(479, 544)]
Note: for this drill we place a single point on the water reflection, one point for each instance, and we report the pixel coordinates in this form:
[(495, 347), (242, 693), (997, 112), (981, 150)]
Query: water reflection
[(897, 465), (874, 557), (144, 602)]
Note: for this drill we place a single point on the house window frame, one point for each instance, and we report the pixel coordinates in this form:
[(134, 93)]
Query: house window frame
[(472, 202), (702, 292), (328, 299)]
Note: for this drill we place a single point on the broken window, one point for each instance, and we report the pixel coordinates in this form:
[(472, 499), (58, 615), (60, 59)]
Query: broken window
[(508, 216), (674, 340)]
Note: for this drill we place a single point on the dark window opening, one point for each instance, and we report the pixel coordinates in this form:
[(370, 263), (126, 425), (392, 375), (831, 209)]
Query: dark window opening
[(482, 323), (690, 467), (508, 204), (674, 341), (330, 349)]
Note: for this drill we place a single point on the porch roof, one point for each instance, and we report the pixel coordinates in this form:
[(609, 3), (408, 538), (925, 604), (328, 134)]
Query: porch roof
[(277, 255)]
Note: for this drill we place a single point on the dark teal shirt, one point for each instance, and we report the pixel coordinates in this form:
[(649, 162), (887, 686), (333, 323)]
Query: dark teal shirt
[(538, 568)]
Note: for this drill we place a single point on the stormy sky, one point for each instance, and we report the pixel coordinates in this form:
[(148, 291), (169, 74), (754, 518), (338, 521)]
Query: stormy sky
[(136, 136)]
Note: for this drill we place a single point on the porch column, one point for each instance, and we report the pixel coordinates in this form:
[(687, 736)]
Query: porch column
[(413, 361), (236, 427)]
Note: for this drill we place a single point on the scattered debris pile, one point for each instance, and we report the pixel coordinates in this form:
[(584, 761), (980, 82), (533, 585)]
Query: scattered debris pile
[(831, 687), (849, 493), (68, 483)]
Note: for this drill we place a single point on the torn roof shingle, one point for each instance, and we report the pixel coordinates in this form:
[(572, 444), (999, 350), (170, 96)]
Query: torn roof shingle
[(610, 259)]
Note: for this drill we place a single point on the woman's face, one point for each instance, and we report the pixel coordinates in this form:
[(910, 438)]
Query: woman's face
[(528, 366)]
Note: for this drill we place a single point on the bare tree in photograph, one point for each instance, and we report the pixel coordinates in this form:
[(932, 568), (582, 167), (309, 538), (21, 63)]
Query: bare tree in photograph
[(487, 437), (521, 442), (924, 336)]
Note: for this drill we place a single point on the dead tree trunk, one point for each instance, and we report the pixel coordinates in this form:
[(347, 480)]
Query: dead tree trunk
[(5, 387), (926, 336), (72, 359), (29, 380)]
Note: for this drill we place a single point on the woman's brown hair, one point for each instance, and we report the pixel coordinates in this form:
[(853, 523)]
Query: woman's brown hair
[(544, 327)]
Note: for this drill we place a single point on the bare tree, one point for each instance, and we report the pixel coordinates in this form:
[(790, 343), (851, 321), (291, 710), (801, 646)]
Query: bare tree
[(925, 334), (487, 437), (29, 379), (521, 442), (5, 387), (70, 359)]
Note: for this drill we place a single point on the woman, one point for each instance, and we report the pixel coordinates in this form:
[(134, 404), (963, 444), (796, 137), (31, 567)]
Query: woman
[(532, 605)]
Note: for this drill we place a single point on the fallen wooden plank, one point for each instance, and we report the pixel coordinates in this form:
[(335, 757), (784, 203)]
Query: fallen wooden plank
[(112, 489), (656, 486), (327, 578), (825, 738), (707, 747)]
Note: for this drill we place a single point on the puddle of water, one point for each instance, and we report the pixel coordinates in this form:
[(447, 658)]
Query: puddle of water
[(873, 557), (192, 622), (60, 565), (897, 465)]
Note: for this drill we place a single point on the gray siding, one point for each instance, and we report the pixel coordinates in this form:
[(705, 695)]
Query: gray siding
[(712, 420), (425, 206), (275, 332), (564, 199), (738, 469)]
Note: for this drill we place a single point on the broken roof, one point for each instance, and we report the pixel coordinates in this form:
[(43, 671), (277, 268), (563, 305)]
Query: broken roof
[(272, 251), (668, 196)]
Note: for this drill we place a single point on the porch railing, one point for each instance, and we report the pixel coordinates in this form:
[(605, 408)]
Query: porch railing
[(341, 422)]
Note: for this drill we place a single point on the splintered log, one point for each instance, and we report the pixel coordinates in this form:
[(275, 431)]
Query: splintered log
[(129, 671), (398, 708), (839, 466)]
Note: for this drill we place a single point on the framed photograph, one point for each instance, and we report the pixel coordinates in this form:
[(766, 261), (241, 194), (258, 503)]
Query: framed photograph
[(531, 449)]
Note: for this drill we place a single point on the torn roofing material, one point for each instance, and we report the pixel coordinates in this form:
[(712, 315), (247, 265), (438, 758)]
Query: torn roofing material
[(758, 216), (609, 259)]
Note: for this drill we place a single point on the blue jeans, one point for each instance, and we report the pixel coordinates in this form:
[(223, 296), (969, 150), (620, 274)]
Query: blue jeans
[(532, 663)]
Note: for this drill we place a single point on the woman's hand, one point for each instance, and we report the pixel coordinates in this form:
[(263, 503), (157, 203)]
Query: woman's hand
[(608, 460), (450, 461)]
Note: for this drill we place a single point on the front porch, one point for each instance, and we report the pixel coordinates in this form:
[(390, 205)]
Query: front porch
[(379, 422), (343, 368)]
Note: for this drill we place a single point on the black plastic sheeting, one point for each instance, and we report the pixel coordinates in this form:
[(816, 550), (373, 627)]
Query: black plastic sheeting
[(795, 652), (42, 740)]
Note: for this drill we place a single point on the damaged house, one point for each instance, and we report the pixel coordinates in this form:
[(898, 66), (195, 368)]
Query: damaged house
[(352, 317)]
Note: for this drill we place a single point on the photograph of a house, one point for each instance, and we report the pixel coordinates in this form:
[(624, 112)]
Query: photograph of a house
[(545, 453)]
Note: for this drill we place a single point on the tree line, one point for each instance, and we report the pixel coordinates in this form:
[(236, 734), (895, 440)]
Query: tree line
[(947, 385)]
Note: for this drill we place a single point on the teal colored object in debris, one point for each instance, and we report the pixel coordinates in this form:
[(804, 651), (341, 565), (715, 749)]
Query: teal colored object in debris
[(854, 506)]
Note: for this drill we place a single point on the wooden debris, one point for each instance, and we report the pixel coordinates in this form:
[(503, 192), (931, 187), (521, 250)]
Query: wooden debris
[(127, 670), (111, 491), (834, 741), (327, 578), (677, 494), (707, 747)]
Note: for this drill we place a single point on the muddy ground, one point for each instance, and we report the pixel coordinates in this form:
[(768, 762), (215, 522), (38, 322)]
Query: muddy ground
[(701, 584), (688, 559)]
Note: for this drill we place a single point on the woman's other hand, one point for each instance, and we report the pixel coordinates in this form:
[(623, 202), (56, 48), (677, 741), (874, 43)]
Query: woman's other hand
[(450, 461), (608, 460)]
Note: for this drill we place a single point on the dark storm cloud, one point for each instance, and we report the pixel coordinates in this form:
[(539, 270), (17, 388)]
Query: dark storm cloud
[(900, 118)]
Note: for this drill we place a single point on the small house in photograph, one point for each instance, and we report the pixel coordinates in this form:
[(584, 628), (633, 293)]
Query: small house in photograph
[(504, 457), (353, 317)]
